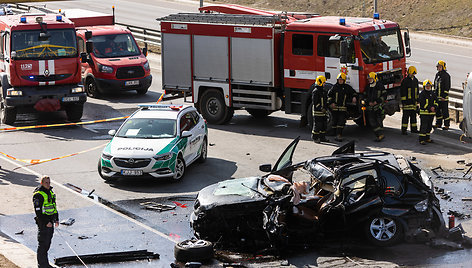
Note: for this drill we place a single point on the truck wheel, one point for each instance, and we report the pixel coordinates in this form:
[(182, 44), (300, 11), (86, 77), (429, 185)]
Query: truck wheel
[(229, 115), (91, 88), (213, 107), (142, 91), (193, 250), (74, 112), (8, 115), (258, 113)]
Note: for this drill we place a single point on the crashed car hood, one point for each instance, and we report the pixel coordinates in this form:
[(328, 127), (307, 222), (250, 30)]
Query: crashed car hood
[(229, 192)]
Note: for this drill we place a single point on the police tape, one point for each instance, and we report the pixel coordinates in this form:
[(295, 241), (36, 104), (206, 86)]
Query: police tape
[(39, 161), (160, 98), (64, 124)]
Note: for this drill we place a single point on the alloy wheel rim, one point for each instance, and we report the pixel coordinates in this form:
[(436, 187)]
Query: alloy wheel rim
[(179, 168), (383, 229)]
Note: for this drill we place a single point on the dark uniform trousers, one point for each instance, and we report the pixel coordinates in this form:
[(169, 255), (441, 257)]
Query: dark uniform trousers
[(426, 125), (44, 243), (320, 124), (409, 115), (443, 114), (375, 117), (339, 121)]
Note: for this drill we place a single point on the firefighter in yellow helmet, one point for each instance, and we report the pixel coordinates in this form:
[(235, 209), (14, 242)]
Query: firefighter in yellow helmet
[(409, 92), (320, 115), (428, 105), (442, 85), (338, 96), (374, 96)]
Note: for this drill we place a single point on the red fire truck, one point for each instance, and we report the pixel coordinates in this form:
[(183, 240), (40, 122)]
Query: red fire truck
[(231, 57), (39, 66)]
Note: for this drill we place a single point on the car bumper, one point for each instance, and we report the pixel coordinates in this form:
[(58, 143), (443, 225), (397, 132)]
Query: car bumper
[(110, 85), (31, 95), (111, 170)]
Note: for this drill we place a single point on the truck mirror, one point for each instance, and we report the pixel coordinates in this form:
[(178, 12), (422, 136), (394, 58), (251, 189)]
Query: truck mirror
[(406, 37), (145, 51), (88, 35), (89, 46), (265, 168), (344, 58), (83, 57)]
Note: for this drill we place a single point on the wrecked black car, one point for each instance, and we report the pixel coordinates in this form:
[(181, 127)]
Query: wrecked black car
[(382, 195)]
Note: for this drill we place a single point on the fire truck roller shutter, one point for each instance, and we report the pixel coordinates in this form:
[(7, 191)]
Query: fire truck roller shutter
[(176, 61), (210, 58)]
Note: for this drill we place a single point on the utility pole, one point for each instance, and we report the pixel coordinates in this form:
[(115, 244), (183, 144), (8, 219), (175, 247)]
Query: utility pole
[(375, 6)]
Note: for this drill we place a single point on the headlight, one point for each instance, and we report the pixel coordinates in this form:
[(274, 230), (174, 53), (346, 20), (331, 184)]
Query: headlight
[(422, 206), (78, 90), (105, 69), (163, 157), (106, 156), (146, 66), (14, 93)]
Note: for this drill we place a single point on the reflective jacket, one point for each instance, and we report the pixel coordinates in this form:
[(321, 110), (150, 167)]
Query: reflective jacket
[(409, 91), (319, 100), (442, 84), (427, 100), (377, 93), (44, 202), (340, 94)]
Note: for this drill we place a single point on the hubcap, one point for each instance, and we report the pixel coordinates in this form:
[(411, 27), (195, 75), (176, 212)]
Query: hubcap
[(213, 106), (383, 229)]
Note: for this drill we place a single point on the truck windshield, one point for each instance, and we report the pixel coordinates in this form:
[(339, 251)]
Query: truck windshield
[(27, 45), (380, 46), (115, 45)]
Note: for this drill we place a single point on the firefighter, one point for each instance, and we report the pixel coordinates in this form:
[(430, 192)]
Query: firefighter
[(374, 97), (338, 96), (320, 116), (428, 106), (44, 201), (442, 84), (409, 92)]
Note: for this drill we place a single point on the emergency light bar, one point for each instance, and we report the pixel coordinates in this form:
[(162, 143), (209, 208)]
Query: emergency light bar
[(376, 16), (160, 106), (58, 18), (23, 19)]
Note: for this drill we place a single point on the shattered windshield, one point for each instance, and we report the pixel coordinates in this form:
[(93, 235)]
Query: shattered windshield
[(148, 128), (380, 46), (27, 44), (114, 45)]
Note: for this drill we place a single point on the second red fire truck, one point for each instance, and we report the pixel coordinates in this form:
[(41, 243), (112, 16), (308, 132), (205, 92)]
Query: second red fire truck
[(231, 57)]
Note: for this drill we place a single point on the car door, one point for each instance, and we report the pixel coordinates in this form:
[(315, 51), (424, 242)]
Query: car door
[(285, 160), (199, 133), (187, 123)]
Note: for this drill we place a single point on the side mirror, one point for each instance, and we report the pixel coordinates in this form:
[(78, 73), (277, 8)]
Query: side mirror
[(83, 57), (344, 58), (145, 51), (89, 46), (265, 168), (112, 132), (186, 134), (406, 37), (88, 35)]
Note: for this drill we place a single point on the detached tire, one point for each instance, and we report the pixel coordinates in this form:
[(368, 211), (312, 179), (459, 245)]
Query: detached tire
[(193, 250), (383, 230), (213, 107), (74, 112)]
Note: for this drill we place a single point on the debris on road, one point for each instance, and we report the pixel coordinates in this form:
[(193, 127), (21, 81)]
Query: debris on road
[(459, 215), (107, 257), (211, 144), (461, 162), (467, 199), (68, 222), (82, 237), (20, 232), (157, 206), (441, 243), (437, 168)]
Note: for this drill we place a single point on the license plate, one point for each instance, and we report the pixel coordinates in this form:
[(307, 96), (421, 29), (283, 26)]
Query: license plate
[(131, 172), (68, 99), (132, 83)]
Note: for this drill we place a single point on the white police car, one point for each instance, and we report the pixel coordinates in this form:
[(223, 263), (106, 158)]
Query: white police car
[(157, 141)]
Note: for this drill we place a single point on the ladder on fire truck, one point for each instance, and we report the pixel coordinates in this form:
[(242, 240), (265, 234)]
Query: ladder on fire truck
[(237, 19)]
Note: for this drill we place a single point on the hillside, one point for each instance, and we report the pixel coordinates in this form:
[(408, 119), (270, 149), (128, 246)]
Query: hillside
[(440, 16)]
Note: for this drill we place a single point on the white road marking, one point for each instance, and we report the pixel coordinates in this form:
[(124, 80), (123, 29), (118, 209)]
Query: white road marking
[(445, 53), (89, 200)]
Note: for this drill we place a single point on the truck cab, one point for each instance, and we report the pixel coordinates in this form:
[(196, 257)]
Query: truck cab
[(116, 62)]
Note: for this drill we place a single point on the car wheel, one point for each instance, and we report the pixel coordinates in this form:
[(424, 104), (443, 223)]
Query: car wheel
[(74, 112), (179, 168), (213, 107), (383, 230), (91, 88), (99, 167), (8, 115), (203, 151), (142, 91), (193, 250)]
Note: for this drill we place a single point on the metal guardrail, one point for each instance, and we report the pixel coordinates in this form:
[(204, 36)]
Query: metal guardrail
[(153, 37)]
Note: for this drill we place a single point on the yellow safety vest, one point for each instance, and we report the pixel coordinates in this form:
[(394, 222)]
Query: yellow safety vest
[(49, 207)]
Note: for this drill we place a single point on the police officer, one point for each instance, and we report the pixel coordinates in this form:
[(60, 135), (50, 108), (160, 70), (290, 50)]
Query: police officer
[(320, 116), (409, 92), (338, 96), (374, 96), (442, 84), (428, 107), (44, 201)]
